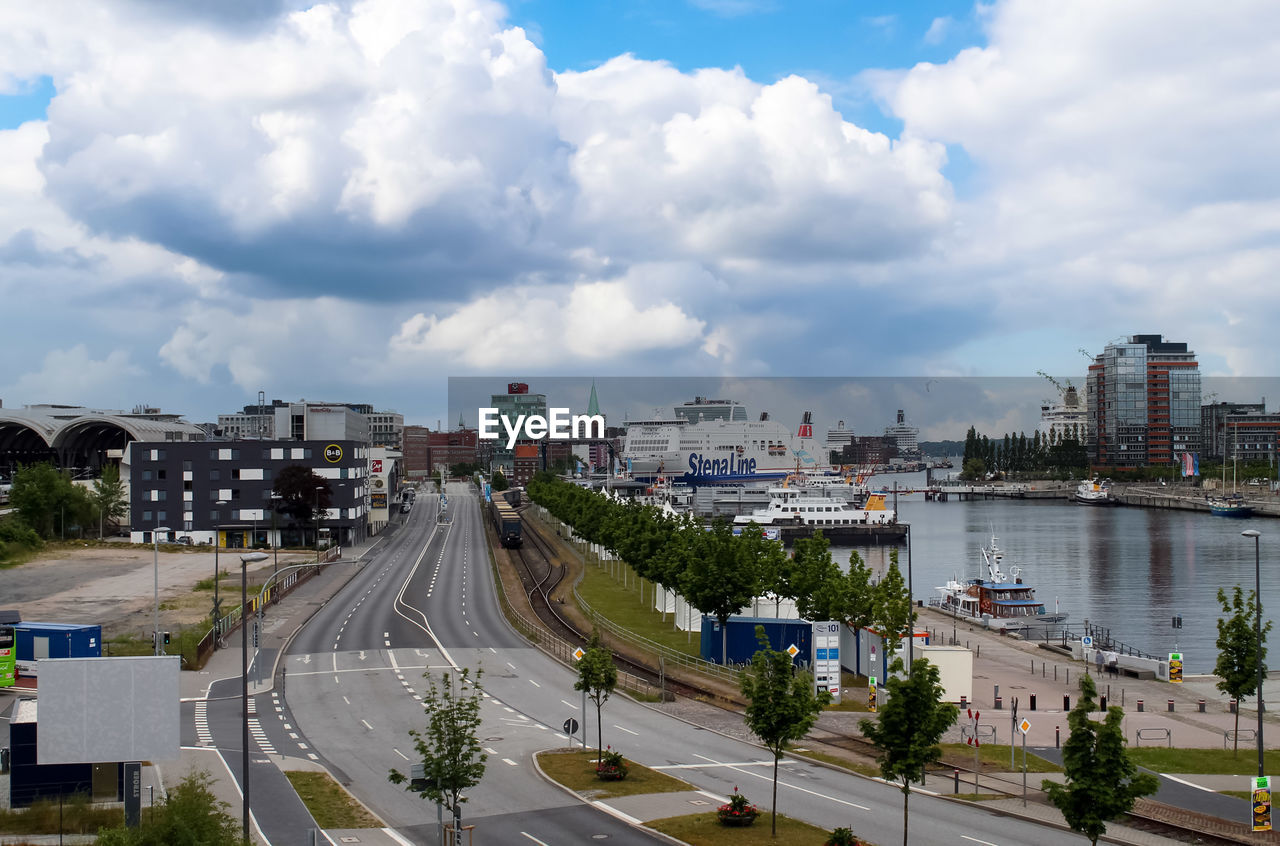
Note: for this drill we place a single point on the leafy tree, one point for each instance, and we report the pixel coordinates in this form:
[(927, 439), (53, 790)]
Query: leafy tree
[(908, 727), (770, 561), (1102, 783), (296, 485), (1237, 667), (973, 469), (498, 482), (783, 705), (109, 496), (817, 581), (724, 582), (42, 494), (191, 814), (452, 758), (892, 614), (598, 676)]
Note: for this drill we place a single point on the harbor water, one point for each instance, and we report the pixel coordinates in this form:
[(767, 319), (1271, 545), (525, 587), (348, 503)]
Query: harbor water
[(1129, 570)]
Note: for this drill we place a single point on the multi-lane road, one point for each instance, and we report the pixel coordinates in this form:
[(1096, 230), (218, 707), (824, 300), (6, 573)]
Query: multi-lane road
[(425, 604)]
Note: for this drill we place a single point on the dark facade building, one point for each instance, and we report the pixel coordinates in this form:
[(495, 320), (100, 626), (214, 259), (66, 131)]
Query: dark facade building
[(1144, 403), (450, 448), (1215, 437), (869, 451), (220, 491), (417, 452)]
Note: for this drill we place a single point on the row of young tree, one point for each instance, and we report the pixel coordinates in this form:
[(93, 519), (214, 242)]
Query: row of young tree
[(1017, 453), (720, 573)]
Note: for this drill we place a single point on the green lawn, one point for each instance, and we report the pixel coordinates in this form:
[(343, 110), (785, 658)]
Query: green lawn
[(1205, 761), (577, 771), (622, 605), (331, 806), (706, 830), (996, 757)]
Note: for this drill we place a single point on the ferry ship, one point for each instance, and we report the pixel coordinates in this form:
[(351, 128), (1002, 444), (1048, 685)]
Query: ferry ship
[(996, 601), (719, 447)]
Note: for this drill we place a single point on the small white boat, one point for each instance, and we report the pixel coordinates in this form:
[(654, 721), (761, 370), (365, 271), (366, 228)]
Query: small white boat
[(995, 600), (1096, 492)]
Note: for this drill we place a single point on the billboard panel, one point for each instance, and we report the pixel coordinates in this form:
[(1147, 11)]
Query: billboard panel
[(95, 710), (8, 656)]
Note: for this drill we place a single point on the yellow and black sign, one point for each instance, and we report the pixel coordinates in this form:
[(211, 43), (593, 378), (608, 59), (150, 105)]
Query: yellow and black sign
[(871, 694), (1175, 667), (333, 453), (1262, 803)]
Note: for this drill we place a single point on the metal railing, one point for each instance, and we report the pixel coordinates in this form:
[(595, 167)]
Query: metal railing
[(669, 656)]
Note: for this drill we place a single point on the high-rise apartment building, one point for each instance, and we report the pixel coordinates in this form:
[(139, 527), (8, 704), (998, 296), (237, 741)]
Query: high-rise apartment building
[(515, 402), (1143, 399)]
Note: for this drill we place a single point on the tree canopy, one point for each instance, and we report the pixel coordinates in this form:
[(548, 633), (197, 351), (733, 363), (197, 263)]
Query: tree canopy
[(908, 727), (782, 705), (1102, 782), (47, 500), (1238, 657), (598, 677), (296, 485)]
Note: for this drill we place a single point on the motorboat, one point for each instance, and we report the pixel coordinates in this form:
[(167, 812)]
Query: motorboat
[(1000, 600), (1096, 492)]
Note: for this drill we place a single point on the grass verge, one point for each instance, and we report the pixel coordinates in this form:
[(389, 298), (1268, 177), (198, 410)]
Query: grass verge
[(182, 641), (1246, 795), (869, 770), (706, 830), (577, 771), (622, 605), (1205, 761), (980, 797), (78, 817), (995, 757), (332, 806)]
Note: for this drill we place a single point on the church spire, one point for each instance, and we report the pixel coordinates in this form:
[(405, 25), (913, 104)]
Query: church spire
[(593, 405)]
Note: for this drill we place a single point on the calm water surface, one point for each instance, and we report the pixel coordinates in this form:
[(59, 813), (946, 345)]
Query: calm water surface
[(1129, 569)]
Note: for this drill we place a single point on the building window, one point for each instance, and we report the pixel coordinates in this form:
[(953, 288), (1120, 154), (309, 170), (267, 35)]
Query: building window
[(215, 475), (161, 515), (160, 474), (187, 525), (215, 515), (186, 485), (146, 475), (186, 466), (146, 516)]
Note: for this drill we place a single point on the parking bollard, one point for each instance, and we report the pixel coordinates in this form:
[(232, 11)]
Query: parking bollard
[(1057, 737), (1170, 704), (1139, 706), (1201, 706)]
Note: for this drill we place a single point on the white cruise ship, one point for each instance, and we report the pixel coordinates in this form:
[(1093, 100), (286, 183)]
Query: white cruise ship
[(726, 449)]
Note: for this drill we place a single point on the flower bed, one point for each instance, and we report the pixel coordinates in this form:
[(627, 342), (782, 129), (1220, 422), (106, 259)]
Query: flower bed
[(737, 811)]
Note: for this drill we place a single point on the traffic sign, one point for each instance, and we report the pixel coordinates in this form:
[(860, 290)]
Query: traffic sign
[(1024, 726), (1086, 642), (792, 650), (578, 653), (571, 726)]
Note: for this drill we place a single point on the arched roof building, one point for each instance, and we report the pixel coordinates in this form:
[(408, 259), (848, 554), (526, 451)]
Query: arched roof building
[(80, 439)]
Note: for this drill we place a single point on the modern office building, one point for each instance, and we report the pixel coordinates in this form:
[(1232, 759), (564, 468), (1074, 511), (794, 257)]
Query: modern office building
[(221, 491), (320, 421), (1143, 398), (1215, 438), (515, 402), (281, 419), (1239, 431)]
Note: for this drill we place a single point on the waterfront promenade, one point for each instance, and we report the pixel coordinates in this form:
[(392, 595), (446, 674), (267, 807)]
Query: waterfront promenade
[(1022, 669)]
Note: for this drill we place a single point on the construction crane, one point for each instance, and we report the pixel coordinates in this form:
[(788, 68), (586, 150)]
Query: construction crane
[(1062, 389)]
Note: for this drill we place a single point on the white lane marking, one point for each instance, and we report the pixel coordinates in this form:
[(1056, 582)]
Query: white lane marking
[(791, 786), (709, 766), (512, 666), (976, 840), (534, 683), (627, 730), (562, 736), (1187, 783), (346, 700), (509, 761), (424, 625), (534, 839), (494, 651), (398, 752), (313, 756), (570, 704), (366, 725), (491, 751)]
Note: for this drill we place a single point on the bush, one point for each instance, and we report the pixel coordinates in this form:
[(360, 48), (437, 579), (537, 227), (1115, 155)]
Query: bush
[(189, 814), (842, 837), (612, 766)]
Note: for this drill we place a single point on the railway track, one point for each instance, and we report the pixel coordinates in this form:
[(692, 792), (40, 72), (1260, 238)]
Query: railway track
[(539, 583)]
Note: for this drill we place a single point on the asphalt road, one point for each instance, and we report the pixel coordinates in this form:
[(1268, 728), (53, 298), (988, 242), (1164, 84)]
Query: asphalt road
[(426, 604)]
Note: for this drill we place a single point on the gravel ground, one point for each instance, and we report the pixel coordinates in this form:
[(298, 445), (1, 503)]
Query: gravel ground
[(113, 587)]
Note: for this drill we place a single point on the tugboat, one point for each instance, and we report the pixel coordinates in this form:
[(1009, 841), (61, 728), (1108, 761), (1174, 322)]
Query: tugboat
[(1096, 492), (996, 601)]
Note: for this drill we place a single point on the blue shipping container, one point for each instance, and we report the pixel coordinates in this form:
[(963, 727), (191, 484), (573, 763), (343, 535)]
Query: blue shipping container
[(55, 640), (742, 643)]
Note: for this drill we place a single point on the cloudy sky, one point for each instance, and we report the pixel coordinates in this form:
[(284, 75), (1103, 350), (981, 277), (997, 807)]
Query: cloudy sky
[(357, 200)]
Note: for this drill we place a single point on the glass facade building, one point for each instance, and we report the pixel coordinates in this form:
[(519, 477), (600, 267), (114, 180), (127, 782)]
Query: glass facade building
[(1144, 403)]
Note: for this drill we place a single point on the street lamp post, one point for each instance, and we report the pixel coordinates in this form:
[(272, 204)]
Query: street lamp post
[(911, 633), (155, 538), (245, 561), (318, 518), (275, 537), (217, 610), (1257, 629)]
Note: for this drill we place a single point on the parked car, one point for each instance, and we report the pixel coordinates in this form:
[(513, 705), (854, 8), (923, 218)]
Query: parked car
[(185, 540)]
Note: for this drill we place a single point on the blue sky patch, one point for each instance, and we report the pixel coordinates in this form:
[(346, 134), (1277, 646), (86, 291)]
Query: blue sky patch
[(30, 102)]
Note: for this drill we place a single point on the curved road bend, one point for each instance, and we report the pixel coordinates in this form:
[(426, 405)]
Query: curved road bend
[(355, 681)]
